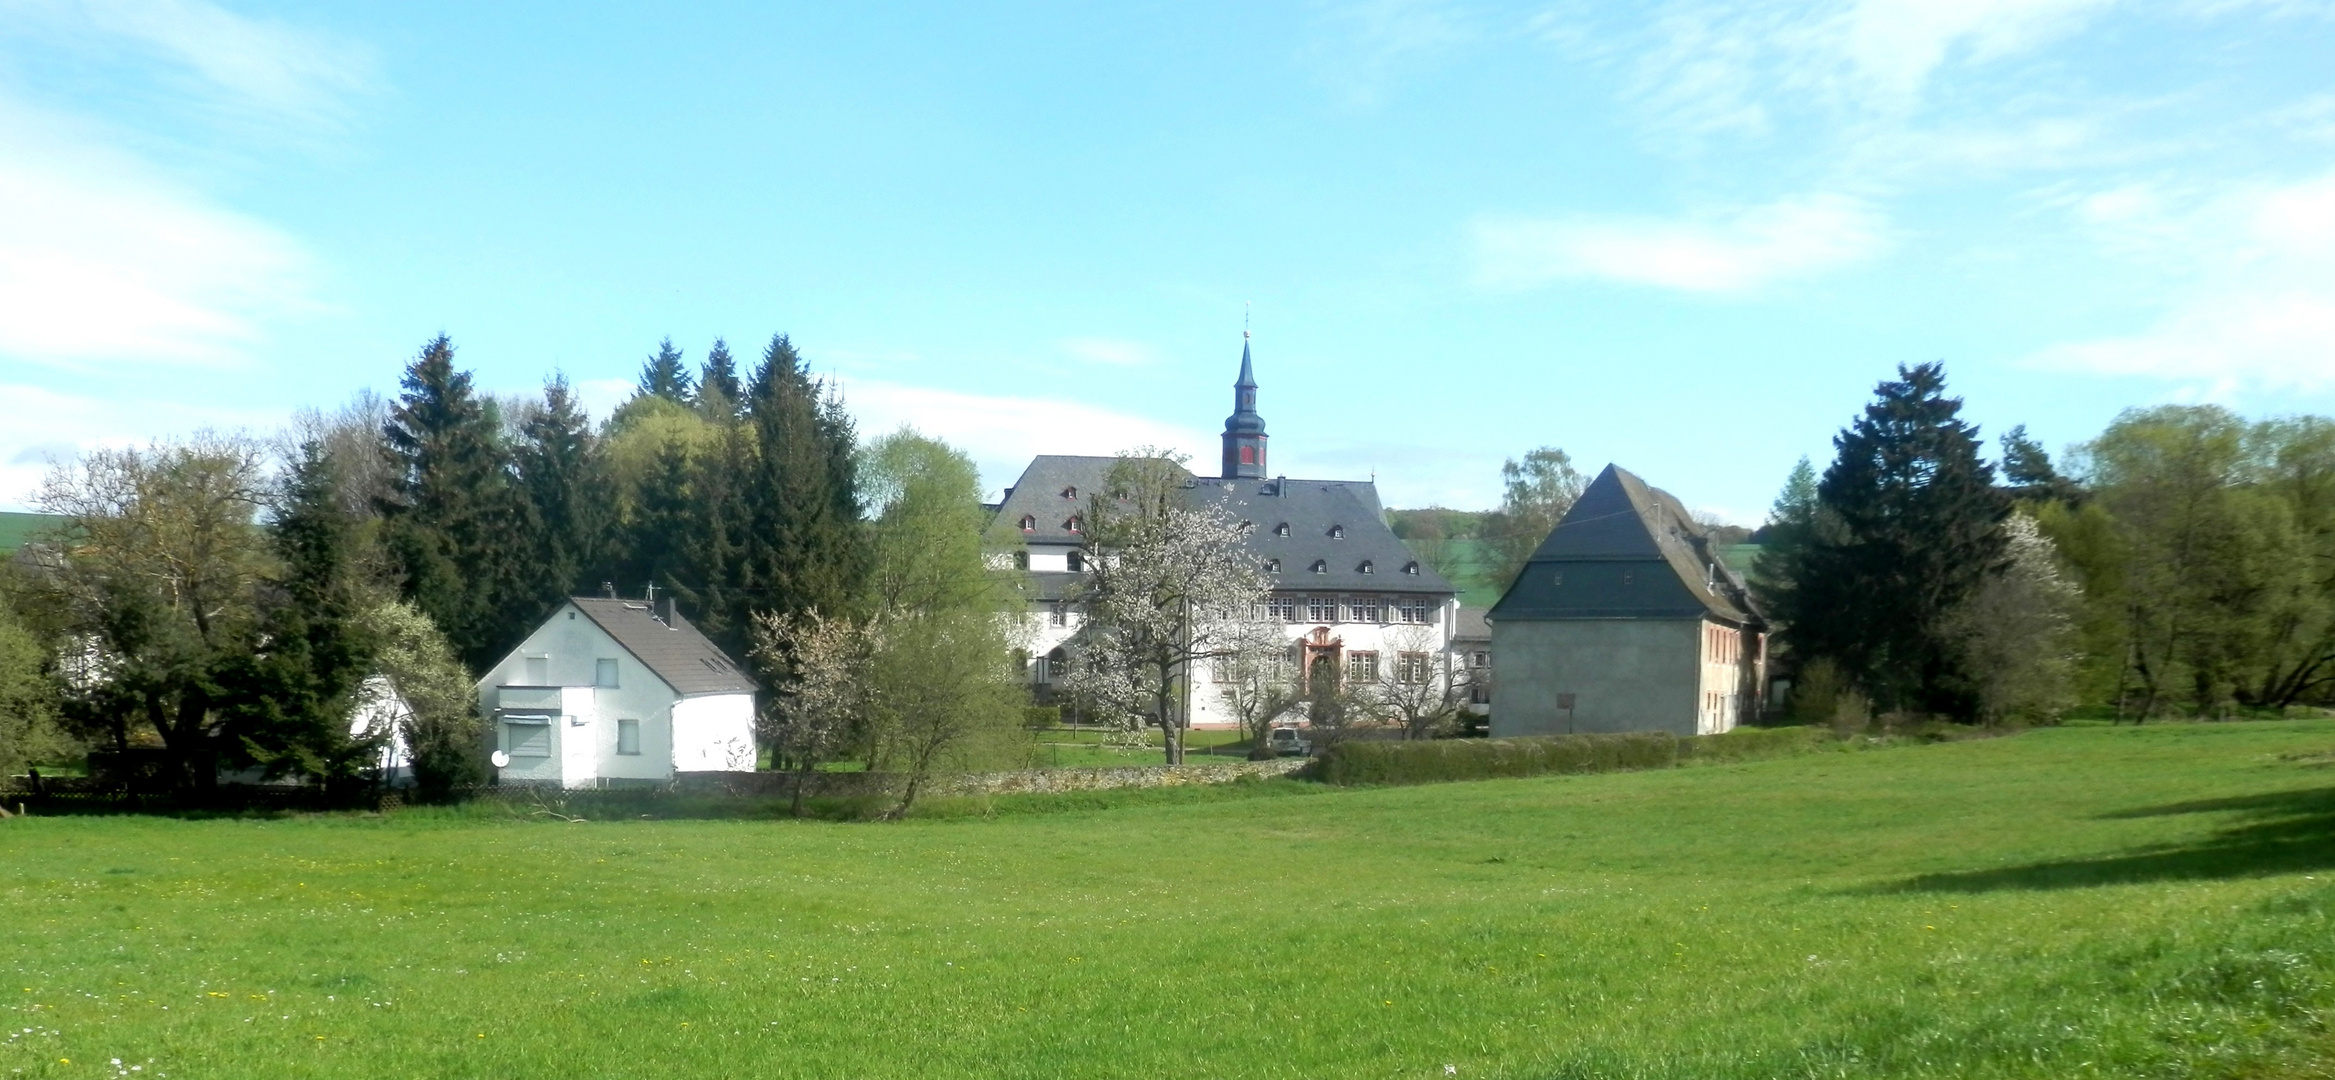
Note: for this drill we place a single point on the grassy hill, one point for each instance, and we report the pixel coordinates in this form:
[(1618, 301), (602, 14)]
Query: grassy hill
[(2071, 902), (15, 527)]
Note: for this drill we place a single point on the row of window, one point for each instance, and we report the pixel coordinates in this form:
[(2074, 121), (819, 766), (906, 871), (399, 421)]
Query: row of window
[(1074, 560), (1356, 609), (532, 738), (1722, 644), (1322, 566)]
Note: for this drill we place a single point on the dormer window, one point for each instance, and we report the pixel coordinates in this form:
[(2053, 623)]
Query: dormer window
[(1070, 525), (1272, 566), (1321, 566), (1411, 568), (1337, 532), (1070, 492), (1029, 524), (1281, 529), (1367, 567)]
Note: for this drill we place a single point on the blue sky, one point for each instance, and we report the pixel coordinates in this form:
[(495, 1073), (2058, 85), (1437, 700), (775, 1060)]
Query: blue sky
[(1685, 237)]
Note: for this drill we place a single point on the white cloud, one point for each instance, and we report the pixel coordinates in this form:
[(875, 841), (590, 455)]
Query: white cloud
[(1730, 253), (1002, 433), (104, 258), (262, 68), (2252, 297)]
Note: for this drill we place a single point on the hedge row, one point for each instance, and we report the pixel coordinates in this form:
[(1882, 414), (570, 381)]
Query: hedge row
[(1387, 762)]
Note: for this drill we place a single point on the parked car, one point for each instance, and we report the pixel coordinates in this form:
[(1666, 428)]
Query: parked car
[(1287, 741)]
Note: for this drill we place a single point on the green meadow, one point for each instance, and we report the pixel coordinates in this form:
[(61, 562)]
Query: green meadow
[(2065, 903)]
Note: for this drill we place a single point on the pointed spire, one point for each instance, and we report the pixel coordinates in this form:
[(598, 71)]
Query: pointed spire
[(1244, 430), (1248, 378)]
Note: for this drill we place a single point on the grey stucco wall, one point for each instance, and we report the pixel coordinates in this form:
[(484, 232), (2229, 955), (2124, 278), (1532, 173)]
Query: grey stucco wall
[(1624, 674)]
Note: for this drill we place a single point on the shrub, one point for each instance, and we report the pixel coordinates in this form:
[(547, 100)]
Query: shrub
[(1747, 744)]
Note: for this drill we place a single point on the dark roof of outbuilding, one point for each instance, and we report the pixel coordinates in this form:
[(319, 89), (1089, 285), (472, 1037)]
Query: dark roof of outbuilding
[(1626, 550), (687, 661), (1470, 626)]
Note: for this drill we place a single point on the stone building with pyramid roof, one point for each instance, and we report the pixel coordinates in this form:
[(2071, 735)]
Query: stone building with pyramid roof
[(1626, 619)]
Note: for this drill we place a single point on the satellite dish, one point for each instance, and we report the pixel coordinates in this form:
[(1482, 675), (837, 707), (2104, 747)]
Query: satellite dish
[(501, 760)]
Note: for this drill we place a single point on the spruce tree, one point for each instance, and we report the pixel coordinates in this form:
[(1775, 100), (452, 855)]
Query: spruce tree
[(571, 501), (803, 550), (1907, 526), (287, 701), (718, 390), (451, 517), (664, 376), (660, 528)]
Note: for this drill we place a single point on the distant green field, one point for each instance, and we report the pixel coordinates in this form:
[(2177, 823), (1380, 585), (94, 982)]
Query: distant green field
[(15, 527), (2079, 902)]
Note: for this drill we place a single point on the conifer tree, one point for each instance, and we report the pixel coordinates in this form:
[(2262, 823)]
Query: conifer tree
[(1908, 527), (718, 390), (451, 517), (571, 501), (664, 376), (803, 549), (660, 526), (286, 703)]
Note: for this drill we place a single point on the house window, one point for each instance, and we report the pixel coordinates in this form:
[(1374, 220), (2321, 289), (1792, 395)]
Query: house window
[(1070, 493), (1281, 529), (1479, 694), (1337, 532), (1411, 568), (1076, 561), (1248, 455), (604, 673), (628, 737), (1413, 667), (1629, 576), (1071, 525), (1272, 566), (1321, 566), (1557, 578), (1029, 524), (1283, 608), (1363, 666), (1480, 660), (1368, 567), (1363, 609), (528, 736), (1321, 609), (1021, 560), (1053, 665), (1058, 615), (1412, 610)]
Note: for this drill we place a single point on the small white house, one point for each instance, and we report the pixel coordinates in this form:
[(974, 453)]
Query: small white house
[(610, 693)]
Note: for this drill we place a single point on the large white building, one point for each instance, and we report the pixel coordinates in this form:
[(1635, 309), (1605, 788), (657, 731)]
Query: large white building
[(610, 693), (1344, 584)]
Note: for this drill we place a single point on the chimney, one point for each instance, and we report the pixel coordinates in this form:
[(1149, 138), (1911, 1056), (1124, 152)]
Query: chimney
[(668, 611)]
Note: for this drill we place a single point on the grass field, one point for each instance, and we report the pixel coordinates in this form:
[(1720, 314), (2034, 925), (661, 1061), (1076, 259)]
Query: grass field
[(15, 527), (2070, 902)]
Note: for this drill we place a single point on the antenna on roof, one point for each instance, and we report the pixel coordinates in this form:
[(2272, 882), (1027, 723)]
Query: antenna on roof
[(608, 589), (652, 592)]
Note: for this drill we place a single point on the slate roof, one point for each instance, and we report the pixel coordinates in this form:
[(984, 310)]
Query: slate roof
[(1039, 495), (1626, 550), (1312, 510), (687, 661), (1470, 626), (1336, 524)]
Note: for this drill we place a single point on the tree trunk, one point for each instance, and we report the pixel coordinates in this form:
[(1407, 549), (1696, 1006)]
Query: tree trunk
[(802, 784)]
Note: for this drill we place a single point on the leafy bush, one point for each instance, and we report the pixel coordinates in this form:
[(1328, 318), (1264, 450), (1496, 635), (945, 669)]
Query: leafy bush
[(1748, 744)]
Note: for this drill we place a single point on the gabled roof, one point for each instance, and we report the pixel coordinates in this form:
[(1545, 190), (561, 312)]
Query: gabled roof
[(1470, 625), (1626, 550), (1053, 490), (1314, 510), (687, 661), (1335, 524)]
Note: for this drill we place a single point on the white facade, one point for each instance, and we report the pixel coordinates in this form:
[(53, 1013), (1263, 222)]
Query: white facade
[(575, 708), (1363, 644)]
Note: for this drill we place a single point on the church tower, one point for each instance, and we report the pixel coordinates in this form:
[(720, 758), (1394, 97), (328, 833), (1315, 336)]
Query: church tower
[(1244, 430)]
